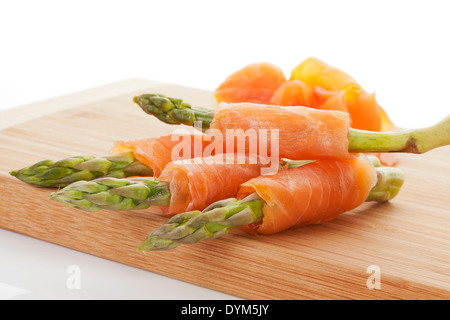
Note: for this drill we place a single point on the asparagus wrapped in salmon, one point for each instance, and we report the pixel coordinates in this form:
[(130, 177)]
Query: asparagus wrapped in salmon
[(313, 193), (303, 133), (189, 184)]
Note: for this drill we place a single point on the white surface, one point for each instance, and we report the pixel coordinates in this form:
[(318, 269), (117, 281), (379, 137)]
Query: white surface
[(400, 49), (34, 269)]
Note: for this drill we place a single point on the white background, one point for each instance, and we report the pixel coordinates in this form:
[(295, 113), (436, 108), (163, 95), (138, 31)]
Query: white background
[(399, 49)]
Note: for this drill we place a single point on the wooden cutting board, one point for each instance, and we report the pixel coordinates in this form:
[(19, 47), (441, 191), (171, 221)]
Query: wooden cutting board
[(406, 241)]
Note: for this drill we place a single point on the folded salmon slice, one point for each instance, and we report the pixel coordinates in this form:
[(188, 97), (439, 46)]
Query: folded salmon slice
[(310, 194), (293, 93), (315, 72), (329, 100), (364, 111), (255, 83), (303, 133), (198, 182)]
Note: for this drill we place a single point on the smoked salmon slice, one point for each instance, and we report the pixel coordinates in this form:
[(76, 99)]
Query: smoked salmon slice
[(315, 72), (364, 111), (254, 83), (329, 100), (293, 93), (296, 132), (198, 182), (311, 194)]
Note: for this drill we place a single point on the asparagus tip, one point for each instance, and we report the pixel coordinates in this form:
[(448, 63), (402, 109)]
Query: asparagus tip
[(55, 197), (153, 243)]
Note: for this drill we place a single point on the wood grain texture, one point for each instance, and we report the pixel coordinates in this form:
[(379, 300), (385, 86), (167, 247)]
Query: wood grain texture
[(408, 239)]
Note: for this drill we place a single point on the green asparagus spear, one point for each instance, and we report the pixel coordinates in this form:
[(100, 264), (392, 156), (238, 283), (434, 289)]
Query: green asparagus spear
[(213, 222), (218, 218), (114, 194), (50, 173), (175, 111)]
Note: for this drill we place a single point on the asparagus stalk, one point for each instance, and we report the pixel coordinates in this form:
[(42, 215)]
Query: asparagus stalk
[(218, 218), (175, 111), (114, 194), (50, 173), (389, 183), (213, 222)]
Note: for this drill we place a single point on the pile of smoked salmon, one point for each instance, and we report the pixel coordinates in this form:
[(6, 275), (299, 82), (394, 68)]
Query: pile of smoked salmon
[(313, 84)]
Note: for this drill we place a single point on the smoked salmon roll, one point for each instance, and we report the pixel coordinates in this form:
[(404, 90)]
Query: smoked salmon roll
[(310, 194), (295, 132), (299, 132), (196, 183)]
